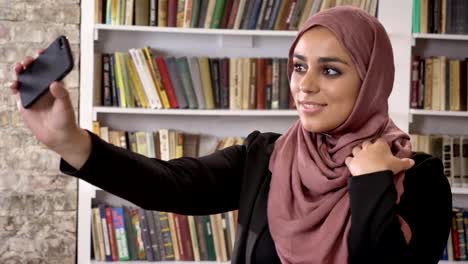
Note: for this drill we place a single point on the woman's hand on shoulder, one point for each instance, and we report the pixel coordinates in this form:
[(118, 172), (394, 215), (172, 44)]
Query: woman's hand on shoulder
[(374, 157)]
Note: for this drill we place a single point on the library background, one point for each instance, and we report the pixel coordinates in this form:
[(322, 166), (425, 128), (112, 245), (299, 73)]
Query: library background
[(173, 78)]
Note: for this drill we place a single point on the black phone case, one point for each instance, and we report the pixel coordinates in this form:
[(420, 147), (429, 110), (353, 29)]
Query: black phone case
[(51, 65)]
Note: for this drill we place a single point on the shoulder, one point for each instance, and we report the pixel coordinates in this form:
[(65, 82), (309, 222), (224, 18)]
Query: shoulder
[(427, 175), (257, 139), (426, 163)]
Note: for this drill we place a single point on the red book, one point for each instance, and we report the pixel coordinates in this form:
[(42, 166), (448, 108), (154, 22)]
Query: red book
[(415, 82), (232, 17), (227, 11), (261, 78), (183, 237), (287, 21), (110, 230), (172, 13), (166, 82)]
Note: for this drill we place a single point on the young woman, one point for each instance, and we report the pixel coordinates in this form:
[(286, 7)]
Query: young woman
[(341, 186)]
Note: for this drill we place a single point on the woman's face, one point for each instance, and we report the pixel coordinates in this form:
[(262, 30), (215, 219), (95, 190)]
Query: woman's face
[(324, 82)]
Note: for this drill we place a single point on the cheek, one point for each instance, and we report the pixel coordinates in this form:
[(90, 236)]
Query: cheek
[(294, 86)]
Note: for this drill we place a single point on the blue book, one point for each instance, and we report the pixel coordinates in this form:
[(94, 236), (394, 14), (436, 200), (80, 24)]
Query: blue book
[(176, 82), (274, 15), (252, 23)]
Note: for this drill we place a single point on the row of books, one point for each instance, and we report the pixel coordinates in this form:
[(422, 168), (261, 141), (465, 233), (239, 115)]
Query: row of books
[(457, 244), (439, 83), (139, 79), (227, 14), (440, 16), (451, 149), (165, 144), (131, 233)]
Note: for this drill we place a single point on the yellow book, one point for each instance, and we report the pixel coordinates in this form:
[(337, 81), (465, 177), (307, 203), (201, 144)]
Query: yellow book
[(180, 13), (172, 145), (96, 128), (179, 144), (98, 12), (423, 17), (194, 239), (156, 77), (170, 216), (454, 85), (114, 12), (119, 79), (162, 13), (205, 75), (137, 90)]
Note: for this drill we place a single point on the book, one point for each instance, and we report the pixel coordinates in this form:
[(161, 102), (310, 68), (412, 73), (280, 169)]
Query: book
[(120, 233)]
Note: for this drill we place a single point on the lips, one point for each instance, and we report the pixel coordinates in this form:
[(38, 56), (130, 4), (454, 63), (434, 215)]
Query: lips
[(311, 106)]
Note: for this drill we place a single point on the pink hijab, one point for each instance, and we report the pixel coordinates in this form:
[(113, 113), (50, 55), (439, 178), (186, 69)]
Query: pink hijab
[(308, 205)]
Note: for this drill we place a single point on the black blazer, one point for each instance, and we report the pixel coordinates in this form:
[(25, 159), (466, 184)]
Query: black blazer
[(238, 178)]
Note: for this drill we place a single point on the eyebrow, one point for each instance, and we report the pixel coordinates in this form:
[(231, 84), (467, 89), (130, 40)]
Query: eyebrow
[(322, 59)]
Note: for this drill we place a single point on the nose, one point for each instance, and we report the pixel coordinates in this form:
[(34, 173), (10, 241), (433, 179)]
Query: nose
[(308, 84)]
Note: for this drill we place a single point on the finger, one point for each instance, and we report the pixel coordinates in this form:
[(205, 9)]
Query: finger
[(348, 161), (356, 150), (40, 51), (18, 68), (407, 163), (380, 141), (27, 61), (14, 87), (365, 144), (58, 90)]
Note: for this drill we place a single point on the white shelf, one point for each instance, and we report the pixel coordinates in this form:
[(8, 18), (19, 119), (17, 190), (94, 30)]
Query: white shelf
[(203, 31), (193, 112), (459, 190), (440, 36), (438, 113)]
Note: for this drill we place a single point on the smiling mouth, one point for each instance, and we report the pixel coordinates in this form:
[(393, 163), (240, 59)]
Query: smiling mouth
[(311, 107)]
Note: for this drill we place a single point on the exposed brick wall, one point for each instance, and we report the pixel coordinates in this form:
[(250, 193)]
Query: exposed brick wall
[(37, 204)]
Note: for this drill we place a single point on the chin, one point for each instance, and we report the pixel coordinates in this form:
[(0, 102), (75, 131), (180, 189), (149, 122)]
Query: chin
[(314, 126)]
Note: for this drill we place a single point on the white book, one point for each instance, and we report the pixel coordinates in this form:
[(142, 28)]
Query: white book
[(145, 77), (104, 133), (240, 11), (129, 12), (164, 144), (150, 141)]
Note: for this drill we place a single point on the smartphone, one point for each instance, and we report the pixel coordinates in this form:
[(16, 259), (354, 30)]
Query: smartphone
[(51, 65)]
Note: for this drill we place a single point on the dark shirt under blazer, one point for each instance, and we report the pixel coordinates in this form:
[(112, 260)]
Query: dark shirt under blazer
[(238, 178)]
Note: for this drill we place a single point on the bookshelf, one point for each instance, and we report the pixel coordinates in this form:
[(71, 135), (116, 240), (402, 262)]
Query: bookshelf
[(422, 121), (210, 43)]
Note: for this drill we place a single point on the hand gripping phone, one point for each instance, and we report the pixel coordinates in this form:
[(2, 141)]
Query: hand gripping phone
[(51, 65)]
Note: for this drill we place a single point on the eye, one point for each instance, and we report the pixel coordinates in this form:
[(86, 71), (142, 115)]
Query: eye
[(328, 71), (299, 67)]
